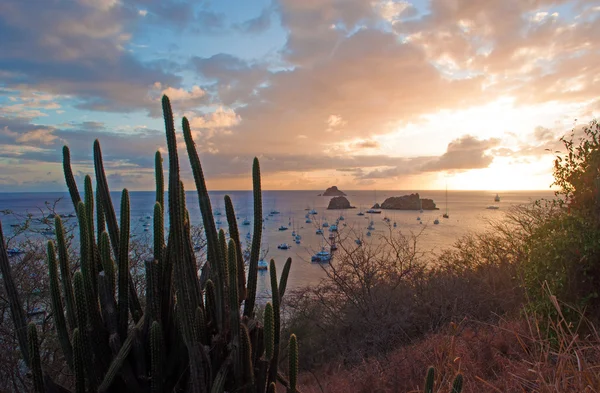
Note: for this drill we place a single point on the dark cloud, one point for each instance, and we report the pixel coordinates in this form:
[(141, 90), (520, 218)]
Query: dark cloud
[(350, 170), (371, 81), (370, 144), (543, 134), (76, 49), (234, 80), (467, 152)]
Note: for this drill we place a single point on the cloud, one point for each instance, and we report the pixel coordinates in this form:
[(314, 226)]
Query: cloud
[(524, 48), (467, 152), (220, 118), (345, 91), (367, 144), (258, 24), (348, 76), (76, 49), (234, 80)]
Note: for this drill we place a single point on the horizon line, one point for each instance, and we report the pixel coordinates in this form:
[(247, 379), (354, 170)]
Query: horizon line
[(316, 190)]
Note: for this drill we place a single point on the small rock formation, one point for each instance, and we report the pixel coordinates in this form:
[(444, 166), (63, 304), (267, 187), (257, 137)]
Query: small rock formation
[(338, 203), (408, 202), (376, 206), (333, 191)]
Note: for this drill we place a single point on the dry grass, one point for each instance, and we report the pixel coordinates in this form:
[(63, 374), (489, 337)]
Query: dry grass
[(518, 355)]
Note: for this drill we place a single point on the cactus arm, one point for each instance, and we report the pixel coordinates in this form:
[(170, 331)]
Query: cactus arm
[(457, 384), (234, 312), (190, 260), (78, 367), (211, 303), (293, 364), (268, 331), (256, 241), (246, 357), (104, 192), (276, 323), (123, 292), (159, 233), (118, 362), (203, 198), (57, 307), (221, 377), (89, 205), (65, 272), (111, 221), (156, 358), (429, 380), (94, 257), (108, 265), (235, 235), (201, 331), (160, 180), (16, 309), (284, 277), (82, 324), (107, 301), (70, 179), (100, 220), (34, 360), (153, 292)]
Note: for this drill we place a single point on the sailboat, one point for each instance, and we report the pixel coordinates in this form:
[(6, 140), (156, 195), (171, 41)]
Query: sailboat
[(360, 212), (446, 214), (373, 210)]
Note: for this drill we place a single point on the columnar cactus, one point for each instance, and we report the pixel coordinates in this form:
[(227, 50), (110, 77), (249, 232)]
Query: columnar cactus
[(430, 380), (191, 336)]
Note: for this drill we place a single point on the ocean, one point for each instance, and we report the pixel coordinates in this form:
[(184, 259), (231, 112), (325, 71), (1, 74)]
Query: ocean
[(467, 210)]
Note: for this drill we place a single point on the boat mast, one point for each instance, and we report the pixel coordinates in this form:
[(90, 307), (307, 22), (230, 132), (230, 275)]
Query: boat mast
[(446, 198)]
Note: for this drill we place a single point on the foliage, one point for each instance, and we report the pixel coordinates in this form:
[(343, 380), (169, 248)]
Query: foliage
[(577, 170), (187, 333), (377, 297), (563, 252)]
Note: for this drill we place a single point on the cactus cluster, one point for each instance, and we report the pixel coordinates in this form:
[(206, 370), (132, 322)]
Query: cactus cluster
[(192, 332), (430, 379)]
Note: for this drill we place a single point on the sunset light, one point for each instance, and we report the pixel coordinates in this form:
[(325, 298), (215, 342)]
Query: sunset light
[(316, 88)]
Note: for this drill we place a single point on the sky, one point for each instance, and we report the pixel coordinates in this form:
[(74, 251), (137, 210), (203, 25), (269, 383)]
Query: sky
[(362, 94)]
